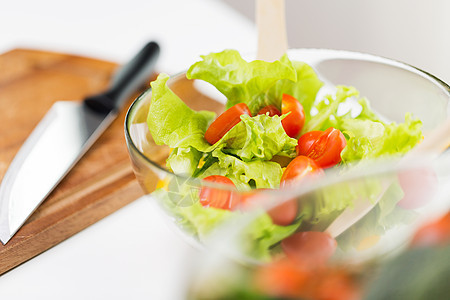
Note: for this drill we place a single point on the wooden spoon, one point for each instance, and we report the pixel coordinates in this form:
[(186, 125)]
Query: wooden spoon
[(271, 24)]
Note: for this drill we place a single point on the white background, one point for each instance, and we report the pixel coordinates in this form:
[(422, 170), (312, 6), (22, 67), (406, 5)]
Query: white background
[(133, 253), (413, 31)]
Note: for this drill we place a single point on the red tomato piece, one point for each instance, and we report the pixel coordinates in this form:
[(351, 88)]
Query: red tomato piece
[(298, 169), (282, 278), (326, 149), (292, 123), (271, 109), (283, 214), (419, 187), (306, 141), (225, 122), (434, 233), (311, 248), (216, 197), (337, 285)]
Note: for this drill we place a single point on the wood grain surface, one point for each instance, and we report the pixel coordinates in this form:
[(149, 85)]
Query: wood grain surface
[(102, 182)]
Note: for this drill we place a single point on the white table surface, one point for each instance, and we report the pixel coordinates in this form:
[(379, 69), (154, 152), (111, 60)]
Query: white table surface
[(132, 253)]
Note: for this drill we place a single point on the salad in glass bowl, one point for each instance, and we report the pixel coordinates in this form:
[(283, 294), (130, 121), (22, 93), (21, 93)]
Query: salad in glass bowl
[(290, 146)]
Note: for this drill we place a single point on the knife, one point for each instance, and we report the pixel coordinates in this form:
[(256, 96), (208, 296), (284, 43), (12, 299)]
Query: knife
[(61, 138)]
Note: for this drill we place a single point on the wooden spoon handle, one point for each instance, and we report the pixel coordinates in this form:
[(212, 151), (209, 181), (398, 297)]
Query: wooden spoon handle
[(271, 23)]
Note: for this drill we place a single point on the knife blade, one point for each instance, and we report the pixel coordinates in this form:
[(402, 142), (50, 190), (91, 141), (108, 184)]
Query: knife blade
[(61, 138)]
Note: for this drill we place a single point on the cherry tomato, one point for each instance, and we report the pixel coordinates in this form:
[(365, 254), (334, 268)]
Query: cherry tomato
[(216, 197), (283, 214), (225, 122), (311, 248), (298, 169), (419, 187), (281, 278), (306, 141), (292, 123), (325, 150), (271, 109), (336, 285), (434, 233)]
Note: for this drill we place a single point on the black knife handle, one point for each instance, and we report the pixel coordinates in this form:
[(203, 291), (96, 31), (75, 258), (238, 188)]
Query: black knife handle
[(127, 80)]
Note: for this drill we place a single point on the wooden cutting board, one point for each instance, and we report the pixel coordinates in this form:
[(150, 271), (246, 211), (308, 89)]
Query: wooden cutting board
[(102, 182)]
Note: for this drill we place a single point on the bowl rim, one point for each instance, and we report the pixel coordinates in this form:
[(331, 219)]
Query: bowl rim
[(379, 167)]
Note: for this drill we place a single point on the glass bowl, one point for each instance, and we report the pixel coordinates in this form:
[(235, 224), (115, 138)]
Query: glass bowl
[(393, 89)]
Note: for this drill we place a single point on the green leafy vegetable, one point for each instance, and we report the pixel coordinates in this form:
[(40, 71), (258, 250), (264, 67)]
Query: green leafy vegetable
[(184, 161), (257, 83), (264, 174), (259, 137), (258, 237), (239, 80), (328, 110), (172, 122), (304, 89), (370, 140)]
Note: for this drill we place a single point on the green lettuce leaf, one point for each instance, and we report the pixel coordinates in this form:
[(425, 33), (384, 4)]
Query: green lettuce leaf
[(304, 89), (375, 139), (184, 161), (242, 81), (172, 122), (261, 235), (327, 110), (259, 137), (256, 173), (258, 238)]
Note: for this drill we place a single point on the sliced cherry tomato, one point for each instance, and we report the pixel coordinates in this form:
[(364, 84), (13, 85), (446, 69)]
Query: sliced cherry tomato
[(419, 187), (434, 233), (292, 123), (283, 214), (306, 141), (225, 122), (298, 169), (271, 109), (282, 278), (216, 197), (337, 285), (311, 248), (325, 150)]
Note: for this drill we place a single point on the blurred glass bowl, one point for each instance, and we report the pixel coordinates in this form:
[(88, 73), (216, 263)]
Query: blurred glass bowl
[(393, 88)]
